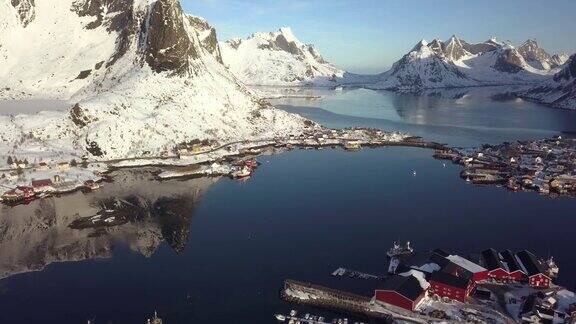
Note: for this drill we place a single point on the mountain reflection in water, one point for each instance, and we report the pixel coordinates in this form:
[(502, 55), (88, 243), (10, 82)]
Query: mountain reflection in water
[(133, 211)]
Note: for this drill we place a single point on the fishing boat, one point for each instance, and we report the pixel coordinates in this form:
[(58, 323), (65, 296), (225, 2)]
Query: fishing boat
[(252, 164), (91, 185), (552, 267), (241, 172), (398, 250)]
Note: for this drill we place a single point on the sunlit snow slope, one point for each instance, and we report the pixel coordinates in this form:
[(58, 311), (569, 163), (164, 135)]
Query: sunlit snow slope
[(142, 77)]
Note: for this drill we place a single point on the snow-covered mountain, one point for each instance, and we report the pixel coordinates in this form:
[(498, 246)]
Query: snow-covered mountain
[(142, 77), (457, 63), (538, 58), (277, 58), (560, 91)]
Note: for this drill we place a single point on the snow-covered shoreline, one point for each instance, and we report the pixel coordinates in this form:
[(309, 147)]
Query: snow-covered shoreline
[(28, 180)]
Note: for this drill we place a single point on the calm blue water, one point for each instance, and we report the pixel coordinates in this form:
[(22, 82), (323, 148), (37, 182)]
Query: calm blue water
[(217, 251), (462, 117)]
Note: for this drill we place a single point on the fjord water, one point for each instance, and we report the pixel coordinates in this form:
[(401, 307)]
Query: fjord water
[(217, 250)]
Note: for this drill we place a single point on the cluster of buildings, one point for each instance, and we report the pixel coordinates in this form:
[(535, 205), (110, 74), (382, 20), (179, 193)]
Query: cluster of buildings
[(544, 307), (349, 138), (51, 180), (195, 147), (416, 275), (548, 166)]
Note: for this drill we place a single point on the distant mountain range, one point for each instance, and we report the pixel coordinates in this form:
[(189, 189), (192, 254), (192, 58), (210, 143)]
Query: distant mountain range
[(280, 59), (456, 63)]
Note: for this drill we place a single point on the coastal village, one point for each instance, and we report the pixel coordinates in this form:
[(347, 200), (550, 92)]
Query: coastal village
[(22, 182), (547, 166), (437, 286)]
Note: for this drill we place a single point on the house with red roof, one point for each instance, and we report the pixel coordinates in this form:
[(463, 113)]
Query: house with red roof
[(42, 185)]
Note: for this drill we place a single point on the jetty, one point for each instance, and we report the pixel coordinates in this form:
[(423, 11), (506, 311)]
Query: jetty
[(337, 300)]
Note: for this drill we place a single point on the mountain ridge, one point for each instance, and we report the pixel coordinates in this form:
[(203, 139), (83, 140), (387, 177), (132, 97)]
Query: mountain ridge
[(141, 75), (278, 58)]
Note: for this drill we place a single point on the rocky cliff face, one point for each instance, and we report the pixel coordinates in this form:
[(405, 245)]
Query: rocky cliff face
[(140, 75), (168, 47), (510, 61)]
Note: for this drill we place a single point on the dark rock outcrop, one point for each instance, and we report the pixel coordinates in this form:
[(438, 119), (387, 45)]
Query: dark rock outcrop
[(168, 46), (487, 46), (509, 61), (25, 9)]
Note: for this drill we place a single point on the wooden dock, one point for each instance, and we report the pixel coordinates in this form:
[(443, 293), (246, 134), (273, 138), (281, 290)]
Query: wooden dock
[(337, 300)]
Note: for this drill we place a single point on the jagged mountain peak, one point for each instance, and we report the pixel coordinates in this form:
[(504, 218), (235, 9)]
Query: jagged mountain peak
[(420, 45), (532, 42), (454, 49), (537, 57), (277, 58), (288, 34)]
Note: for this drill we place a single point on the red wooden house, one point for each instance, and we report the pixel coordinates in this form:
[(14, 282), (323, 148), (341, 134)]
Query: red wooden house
[(515, 272), (491, 261), (42, 185), (401, 291), (451, 286), (477, 272), (534, 269)]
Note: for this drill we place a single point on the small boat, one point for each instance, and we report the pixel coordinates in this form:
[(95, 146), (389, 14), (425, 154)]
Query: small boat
[(242, 172), (552, 268), (252, 164), (280, 317), (352, 146), (91, 185), (398, 250)]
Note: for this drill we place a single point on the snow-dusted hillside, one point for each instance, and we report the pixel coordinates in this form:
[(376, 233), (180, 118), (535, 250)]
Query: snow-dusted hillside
[(560, 91), (278, 59), (143, 76), (456, 63)]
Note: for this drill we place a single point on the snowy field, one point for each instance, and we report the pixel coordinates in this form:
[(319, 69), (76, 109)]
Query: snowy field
[(15, 107)]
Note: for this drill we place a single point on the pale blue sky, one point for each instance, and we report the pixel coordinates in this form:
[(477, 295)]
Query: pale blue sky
[(369, 35)]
